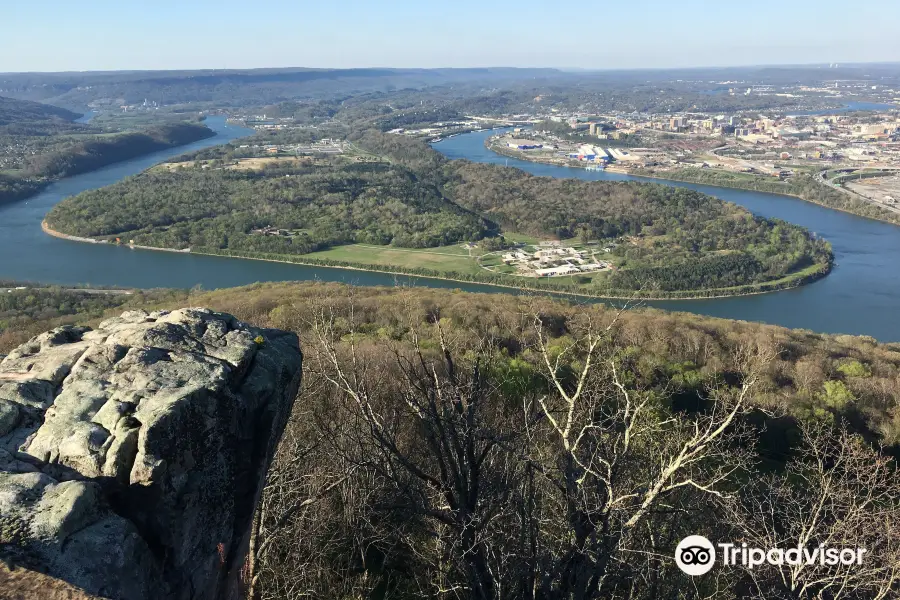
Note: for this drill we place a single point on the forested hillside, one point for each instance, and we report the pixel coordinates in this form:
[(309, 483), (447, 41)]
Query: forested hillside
[(692, 240), (668, 240), (232, 87), (24, 128), (40, 143), (86, 153), (27, 312), (512, 447), (319, 204), (23, 111), (16, 188)]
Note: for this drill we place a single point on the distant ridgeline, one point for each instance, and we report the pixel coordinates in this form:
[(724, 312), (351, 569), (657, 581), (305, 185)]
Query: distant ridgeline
[(23, 112), (40, 143), (466, 90), (251, 87), (674, 242), (95, 152)]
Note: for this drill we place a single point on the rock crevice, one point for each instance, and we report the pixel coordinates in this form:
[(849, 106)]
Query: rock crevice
[(132, 456)]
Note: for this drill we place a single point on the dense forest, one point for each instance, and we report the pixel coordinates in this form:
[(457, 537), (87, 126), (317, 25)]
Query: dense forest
[(22, 111), (28, 312), (674, 240), (16, 188), (511, 447), (316, 203), (677, 226), (87, 153)]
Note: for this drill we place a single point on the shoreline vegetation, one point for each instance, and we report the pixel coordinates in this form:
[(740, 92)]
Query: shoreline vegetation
[(795, 280), (828, 197), (776, 397), (650, 174), (96, 152), (669, 243)]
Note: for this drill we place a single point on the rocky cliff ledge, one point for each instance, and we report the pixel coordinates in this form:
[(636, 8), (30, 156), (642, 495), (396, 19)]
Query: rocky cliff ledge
[(132, 456)]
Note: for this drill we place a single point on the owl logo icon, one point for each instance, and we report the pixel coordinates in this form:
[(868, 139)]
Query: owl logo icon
[(695, 555)]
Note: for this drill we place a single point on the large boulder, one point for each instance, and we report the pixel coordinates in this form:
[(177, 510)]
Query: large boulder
[(132, 456)]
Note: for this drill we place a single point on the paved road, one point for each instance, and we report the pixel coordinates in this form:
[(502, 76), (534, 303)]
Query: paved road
[(823, 178)]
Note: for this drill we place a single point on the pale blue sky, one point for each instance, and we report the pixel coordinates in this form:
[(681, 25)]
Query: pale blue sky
[(65, 35)]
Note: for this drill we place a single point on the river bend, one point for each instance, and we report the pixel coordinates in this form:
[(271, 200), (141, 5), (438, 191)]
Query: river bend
[(861, 295)]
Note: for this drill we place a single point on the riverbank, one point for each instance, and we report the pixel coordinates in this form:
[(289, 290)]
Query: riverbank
[(505, 151), (806, 277), (650, 174), (74, 238), (23, 189), (103, 152), (698, 181), (786, 283)]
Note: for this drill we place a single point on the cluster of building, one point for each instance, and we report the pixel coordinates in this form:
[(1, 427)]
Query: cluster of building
[(826, 140), (266, 123), (738, 142), (111, 104), (551, 148), (440, 130), (323, 146), (590, 154), (13, 155), (553, 261), (518, 144)]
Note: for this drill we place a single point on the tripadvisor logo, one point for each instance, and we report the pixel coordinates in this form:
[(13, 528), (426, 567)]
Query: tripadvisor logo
[(696, 555)]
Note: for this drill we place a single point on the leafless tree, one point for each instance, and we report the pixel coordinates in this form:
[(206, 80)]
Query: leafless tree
[(622, 467), (544, 459), (838, 492), (434, 432), (289, 547)]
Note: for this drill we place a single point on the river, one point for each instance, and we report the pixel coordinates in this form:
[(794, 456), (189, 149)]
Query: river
[(859, 297), (27, 254)]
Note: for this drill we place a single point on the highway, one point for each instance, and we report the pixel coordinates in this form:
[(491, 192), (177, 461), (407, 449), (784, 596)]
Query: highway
[(823, 178)]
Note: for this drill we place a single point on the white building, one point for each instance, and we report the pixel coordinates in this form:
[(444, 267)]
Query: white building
[(556, 271)]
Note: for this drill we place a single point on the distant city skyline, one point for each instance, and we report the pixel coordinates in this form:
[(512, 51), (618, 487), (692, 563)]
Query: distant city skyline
[(56, 35)]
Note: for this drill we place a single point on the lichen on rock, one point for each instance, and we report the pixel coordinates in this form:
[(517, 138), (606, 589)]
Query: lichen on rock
[(132, 456)]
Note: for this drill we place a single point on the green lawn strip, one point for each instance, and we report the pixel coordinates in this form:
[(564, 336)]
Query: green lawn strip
[(447, 259)]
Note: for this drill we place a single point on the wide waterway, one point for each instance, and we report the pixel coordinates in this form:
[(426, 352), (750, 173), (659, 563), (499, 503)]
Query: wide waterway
[(27, 254), (861, 296)]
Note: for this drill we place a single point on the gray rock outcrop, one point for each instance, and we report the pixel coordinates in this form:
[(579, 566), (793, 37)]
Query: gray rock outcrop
[(132, 456)]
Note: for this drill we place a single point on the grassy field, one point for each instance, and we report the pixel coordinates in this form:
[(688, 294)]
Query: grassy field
[(444, 258)]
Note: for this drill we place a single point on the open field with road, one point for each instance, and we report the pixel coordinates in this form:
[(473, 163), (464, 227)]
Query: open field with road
[(447, 259), (880, 189), (880, 186)]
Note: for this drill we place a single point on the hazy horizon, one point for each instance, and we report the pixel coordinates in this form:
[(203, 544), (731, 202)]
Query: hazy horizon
[(562, 69), (54, 36)]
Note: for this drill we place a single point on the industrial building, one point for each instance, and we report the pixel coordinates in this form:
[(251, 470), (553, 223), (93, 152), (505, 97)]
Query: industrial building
[(524, 144), (589, 154), (621, 154)]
